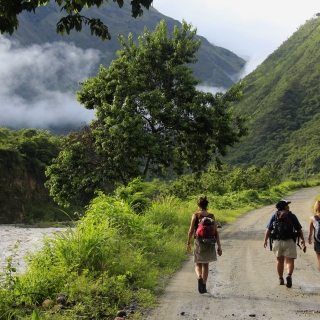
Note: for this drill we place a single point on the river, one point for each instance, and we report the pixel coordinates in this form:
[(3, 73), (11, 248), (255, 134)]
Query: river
[(28, 239)]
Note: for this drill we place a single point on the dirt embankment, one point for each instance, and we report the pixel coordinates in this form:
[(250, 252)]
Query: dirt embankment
[(243, 283)]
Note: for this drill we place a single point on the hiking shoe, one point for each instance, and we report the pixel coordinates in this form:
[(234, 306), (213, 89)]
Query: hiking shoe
[(281, 281), (204, 288), (289, 281), (200, 285)]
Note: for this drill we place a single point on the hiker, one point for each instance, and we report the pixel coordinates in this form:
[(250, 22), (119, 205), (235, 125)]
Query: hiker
[(281, 227), (314, 229), (204, 247)]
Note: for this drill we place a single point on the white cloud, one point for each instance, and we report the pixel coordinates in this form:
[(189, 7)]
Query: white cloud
[(30, 78), (54, 108), (249, 28), (210, 89)]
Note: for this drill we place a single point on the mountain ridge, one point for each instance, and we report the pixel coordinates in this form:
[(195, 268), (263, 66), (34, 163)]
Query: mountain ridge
[(282, 97), (216, 66)]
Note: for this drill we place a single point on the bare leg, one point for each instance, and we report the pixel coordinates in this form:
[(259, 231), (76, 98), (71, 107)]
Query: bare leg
[(198, 270), (205, 272), (318, 256), (290, 265), (280, 266), (200, 273)]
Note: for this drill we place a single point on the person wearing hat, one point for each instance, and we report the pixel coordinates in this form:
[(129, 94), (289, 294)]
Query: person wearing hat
[(284, 247)]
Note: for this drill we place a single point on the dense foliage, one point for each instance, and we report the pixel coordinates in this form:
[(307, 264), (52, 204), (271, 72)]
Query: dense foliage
[(72, 20), (149, 117), (37, 146), (282, 98), (24, 154), (115, 256), (214, 181)]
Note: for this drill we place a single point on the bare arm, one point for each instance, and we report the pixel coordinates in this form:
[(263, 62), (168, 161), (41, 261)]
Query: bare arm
[(190, 232), (310, 230), (266, 236), (301, 237)]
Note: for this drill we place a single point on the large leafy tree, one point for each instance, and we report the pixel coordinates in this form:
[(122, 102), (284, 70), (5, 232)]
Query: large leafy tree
[(73, 19), (149, 116)]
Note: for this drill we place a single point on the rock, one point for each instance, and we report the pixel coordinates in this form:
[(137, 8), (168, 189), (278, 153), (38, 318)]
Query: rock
[(121, 314), (62, 298), (47, 304)]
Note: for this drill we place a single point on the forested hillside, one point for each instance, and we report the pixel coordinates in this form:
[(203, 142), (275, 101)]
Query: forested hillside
[(216, 66), (23, 156), (282, 98)]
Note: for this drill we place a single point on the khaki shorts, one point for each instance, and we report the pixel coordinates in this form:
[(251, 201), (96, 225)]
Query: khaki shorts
[(285, 248)]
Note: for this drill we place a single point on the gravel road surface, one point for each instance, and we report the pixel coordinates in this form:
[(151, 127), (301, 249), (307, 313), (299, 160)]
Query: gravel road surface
[(243, 283)]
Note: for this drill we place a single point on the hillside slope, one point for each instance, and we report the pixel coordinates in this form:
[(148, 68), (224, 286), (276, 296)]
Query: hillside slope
[(216, 66), (282, 98)]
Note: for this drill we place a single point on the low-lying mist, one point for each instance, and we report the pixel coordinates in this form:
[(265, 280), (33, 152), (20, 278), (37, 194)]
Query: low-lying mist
[(38, 84)]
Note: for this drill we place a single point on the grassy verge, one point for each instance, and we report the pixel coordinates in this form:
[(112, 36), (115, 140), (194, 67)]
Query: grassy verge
[(116, 259)]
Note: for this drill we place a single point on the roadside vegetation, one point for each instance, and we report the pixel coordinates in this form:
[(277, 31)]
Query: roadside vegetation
[(124, 249)]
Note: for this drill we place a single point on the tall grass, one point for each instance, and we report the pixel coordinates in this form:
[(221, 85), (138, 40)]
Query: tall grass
[(115, 255)]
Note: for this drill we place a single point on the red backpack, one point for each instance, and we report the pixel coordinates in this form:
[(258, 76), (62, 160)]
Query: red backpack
[(204, 228)]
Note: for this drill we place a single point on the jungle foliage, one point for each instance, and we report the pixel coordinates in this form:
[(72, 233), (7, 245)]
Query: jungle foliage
[(149, 118), (36, 146), (282, 97), (24, 154), (115, 259)]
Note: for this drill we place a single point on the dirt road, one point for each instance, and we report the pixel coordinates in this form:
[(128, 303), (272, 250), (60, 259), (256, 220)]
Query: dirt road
[(243, 283)]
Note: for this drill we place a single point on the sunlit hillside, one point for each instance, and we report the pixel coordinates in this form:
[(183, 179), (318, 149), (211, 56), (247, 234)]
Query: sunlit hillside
[(282, 98)]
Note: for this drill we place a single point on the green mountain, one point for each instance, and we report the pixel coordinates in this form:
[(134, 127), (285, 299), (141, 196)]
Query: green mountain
[(282, 97), (216, 66)]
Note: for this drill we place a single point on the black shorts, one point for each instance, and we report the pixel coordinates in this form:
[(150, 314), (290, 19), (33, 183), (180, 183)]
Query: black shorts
[(316, 246)]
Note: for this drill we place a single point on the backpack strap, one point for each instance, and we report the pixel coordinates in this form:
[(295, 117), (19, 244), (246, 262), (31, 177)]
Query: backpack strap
[(316, 217), (197, 223)]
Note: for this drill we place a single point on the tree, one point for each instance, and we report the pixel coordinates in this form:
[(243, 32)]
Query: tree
[(78, 170), (149, 115), (9, 11)]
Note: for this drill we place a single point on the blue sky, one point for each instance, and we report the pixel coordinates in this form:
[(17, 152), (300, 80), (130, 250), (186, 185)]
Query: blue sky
[(250, 29)]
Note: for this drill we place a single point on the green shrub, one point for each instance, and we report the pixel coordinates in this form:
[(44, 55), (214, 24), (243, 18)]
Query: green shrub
[(114, 256)]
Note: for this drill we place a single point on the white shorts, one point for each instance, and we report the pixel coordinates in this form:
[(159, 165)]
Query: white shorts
[(285, 248)]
